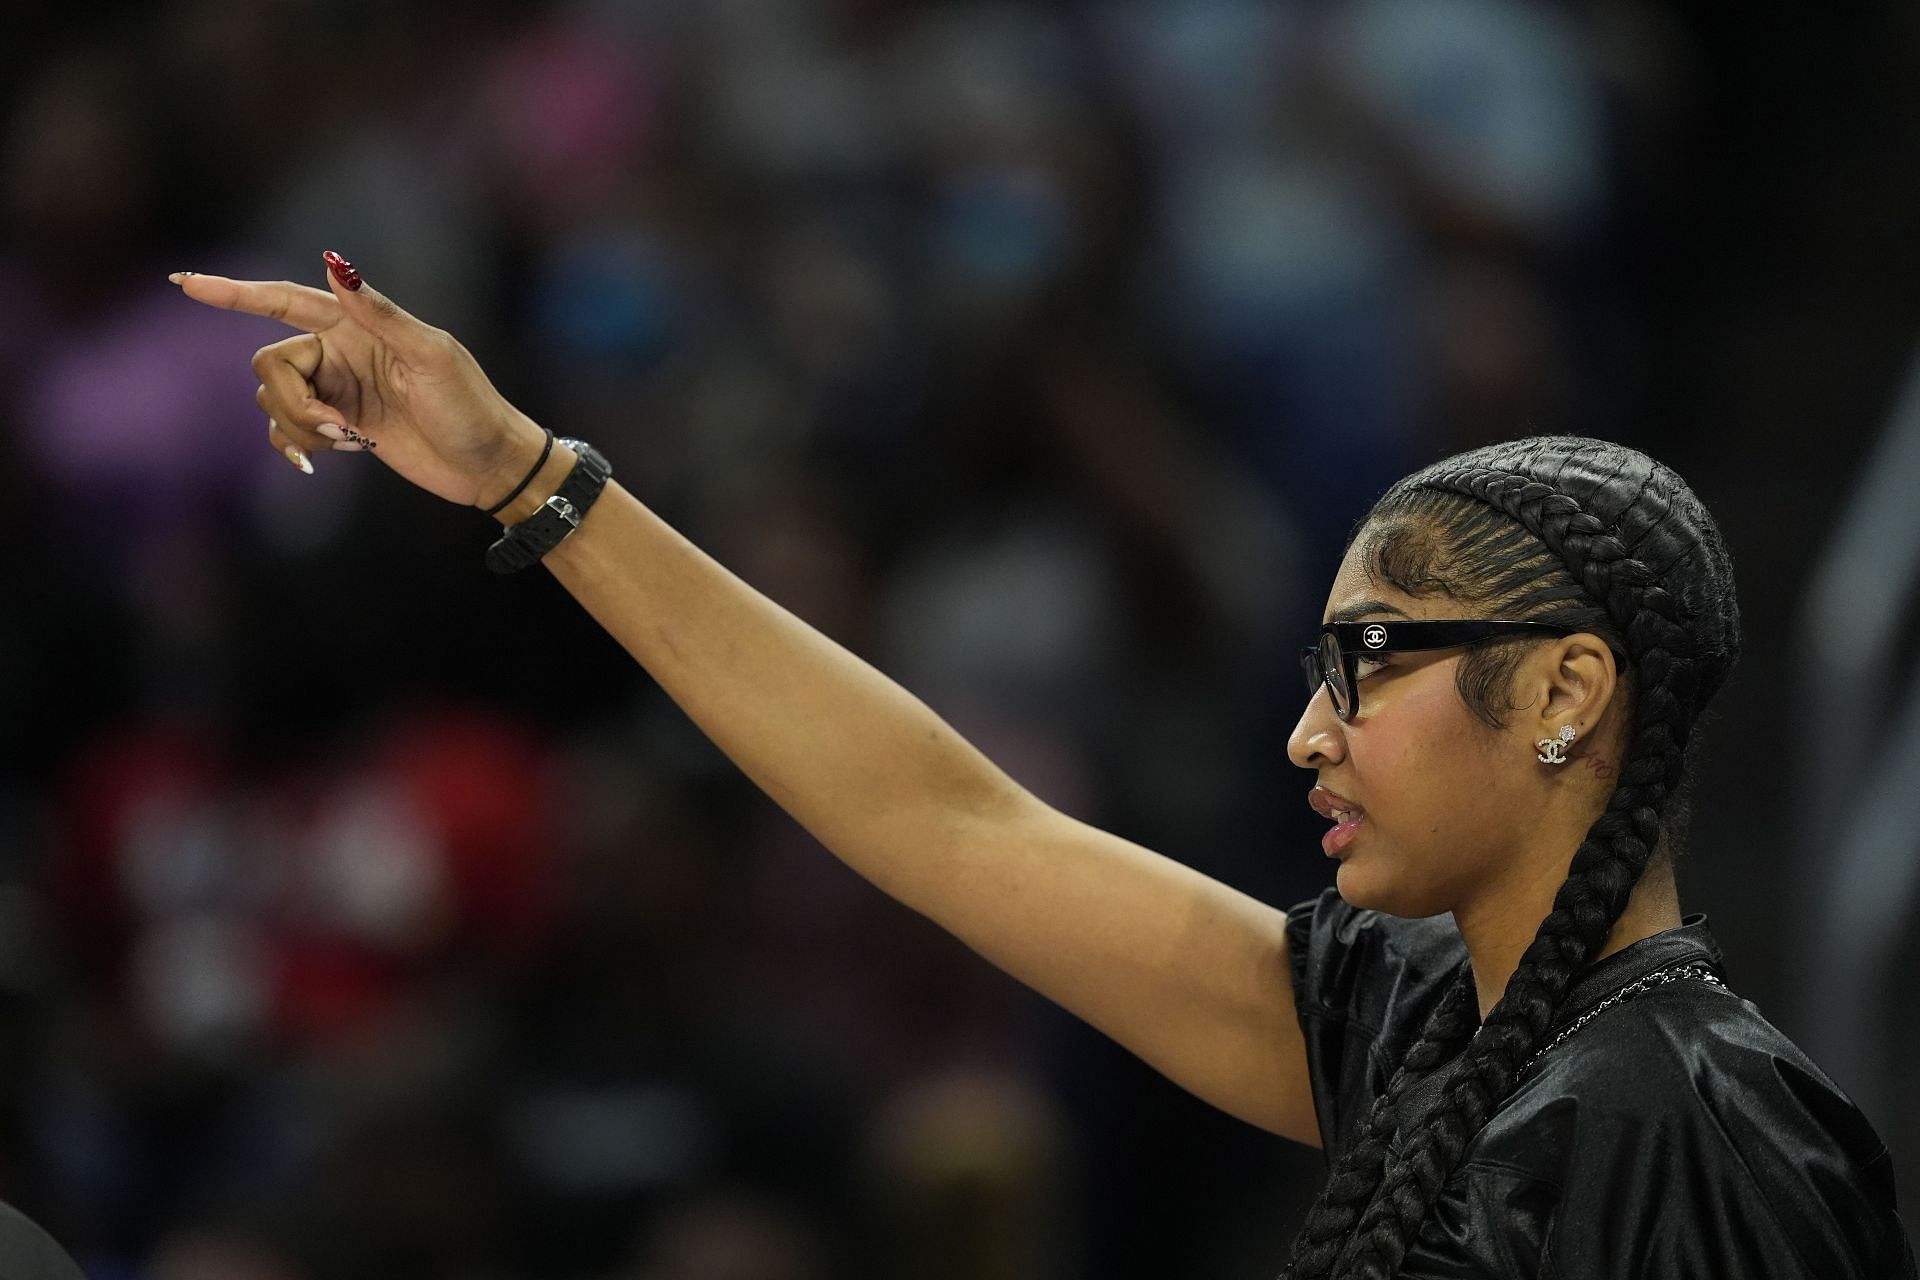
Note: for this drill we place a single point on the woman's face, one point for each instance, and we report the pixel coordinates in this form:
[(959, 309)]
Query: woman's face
[(1445, 802)]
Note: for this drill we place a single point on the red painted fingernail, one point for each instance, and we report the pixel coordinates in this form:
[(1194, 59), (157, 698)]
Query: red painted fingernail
[(342, 270)]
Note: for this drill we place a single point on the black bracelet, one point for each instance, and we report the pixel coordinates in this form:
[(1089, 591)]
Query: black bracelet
[(554, 520), (530, 475)]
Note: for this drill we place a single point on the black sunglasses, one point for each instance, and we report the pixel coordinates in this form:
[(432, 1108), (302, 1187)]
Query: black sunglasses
[(1335, 660)]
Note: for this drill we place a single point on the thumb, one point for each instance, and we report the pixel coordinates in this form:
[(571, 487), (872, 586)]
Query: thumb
[(373, 310)]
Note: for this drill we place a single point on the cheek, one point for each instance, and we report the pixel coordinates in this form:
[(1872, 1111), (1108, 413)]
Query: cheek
[(1426, 770)]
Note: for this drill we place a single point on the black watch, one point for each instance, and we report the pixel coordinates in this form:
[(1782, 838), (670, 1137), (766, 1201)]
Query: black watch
[(524, 543)]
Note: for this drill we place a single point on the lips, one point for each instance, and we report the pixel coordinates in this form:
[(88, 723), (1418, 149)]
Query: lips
[(1331, 804), (1342, 812)]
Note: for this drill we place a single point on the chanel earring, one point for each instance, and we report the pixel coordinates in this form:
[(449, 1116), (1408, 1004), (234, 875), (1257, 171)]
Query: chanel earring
[(1554, 750)]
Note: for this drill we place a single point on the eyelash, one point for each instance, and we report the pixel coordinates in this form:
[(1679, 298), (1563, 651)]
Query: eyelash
[(1362, 669)]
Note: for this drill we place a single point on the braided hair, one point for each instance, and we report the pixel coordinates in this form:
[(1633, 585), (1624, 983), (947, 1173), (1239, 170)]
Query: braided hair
[(1593, 537)]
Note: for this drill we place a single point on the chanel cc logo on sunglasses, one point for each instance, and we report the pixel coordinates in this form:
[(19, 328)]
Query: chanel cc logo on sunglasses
[(1374, 636)]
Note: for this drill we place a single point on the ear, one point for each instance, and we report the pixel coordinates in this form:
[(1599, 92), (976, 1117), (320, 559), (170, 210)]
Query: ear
[(1569, 681)]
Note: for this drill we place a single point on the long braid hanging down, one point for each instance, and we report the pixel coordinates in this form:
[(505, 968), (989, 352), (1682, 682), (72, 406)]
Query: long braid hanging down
[(1653, 571), (1355, 1179)]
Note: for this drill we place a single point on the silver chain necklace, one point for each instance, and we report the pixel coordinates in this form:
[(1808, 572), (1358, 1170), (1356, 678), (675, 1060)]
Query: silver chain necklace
[(1695, 971)]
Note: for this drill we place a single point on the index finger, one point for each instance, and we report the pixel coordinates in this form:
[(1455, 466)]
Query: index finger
[(292, 304)]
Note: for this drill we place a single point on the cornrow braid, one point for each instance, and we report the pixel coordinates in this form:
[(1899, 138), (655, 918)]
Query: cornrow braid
[(1595, 537)]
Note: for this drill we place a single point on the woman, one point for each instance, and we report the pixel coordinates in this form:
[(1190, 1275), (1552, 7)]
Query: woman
[(1556, 1082)]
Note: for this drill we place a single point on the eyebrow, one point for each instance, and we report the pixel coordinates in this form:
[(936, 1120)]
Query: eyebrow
[(1361, 608)]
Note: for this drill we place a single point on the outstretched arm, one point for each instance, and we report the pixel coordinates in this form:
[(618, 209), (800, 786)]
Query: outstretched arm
[(1186, 972)]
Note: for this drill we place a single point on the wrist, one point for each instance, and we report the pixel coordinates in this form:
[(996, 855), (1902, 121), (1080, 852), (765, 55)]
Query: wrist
[(544, 484), (553, 511), (512, 458)]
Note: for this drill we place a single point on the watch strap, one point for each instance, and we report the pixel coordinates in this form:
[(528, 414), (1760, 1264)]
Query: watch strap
[(523, 544)]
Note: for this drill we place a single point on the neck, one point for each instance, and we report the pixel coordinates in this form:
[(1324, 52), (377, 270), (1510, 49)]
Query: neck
[(1499, 929)]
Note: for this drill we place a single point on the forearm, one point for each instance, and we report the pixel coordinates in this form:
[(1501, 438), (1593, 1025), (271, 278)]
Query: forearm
[(856, 759)]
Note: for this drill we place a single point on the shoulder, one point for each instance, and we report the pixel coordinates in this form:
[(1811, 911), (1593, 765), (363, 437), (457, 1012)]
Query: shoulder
[(27, 1252), (1691, 1126), (1341, 952), (1691, 1055), (1363, 984)]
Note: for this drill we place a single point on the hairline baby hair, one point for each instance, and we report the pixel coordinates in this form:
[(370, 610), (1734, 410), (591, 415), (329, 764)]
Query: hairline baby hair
[(1585, 534)]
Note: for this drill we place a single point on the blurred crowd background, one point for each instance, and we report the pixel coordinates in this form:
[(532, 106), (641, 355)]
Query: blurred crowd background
[(363, 914)]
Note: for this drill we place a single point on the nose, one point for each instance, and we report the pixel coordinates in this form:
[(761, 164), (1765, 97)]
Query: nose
[(1319, 739)]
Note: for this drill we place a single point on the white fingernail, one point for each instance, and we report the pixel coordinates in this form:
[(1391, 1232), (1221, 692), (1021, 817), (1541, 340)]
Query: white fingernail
[(330, 431), (350, 446), (298, 458)]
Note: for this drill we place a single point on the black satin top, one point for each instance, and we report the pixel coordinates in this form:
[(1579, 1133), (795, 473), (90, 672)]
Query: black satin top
[(1677, 1134)]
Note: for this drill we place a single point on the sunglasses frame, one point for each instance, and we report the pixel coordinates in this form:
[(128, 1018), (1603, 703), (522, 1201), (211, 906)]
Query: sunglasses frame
[(1342, 644)]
